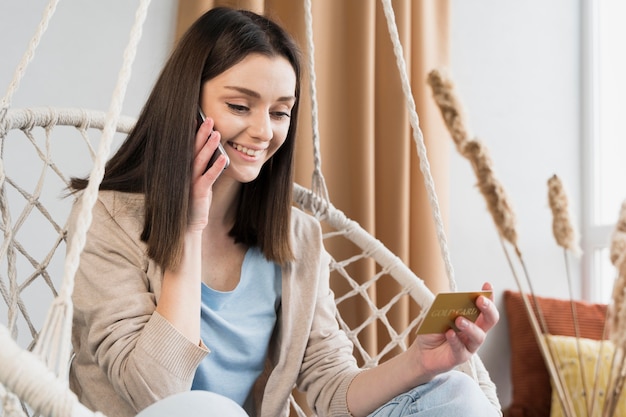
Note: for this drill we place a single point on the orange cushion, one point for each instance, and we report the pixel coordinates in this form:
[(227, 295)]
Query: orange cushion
[(530, 380)]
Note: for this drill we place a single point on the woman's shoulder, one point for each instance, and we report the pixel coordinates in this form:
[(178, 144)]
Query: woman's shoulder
[(305, 228), (301, 219), (120, 204), (125, 209)]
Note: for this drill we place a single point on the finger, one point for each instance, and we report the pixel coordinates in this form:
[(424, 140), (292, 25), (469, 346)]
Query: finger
[(462, 345), (489, 314), (203, 134), (455, 342), (216, 169), (488, 287), (470, 335), (204, 156)]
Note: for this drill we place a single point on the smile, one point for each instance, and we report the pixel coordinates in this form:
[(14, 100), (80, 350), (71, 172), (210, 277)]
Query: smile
[(247, 151)]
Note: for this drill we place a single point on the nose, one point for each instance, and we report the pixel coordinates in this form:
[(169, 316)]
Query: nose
[(261, 127)]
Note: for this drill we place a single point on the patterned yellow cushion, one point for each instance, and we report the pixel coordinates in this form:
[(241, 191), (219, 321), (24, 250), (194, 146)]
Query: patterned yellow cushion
[(566, 350)]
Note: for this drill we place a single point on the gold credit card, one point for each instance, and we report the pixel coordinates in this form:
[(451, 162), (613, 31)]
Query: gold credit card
[(446, 307)]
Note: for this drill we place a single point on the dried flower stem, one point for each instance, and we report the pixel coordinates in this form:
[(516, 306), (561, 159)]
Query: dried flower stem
[(489, 186), (492, 190), (450, 106), (618, 258), (500, 209), (545, 348), (566, 237), (597, 389), (617, 310), (616, 320), (617, 314), (564, 232), (615, 383)]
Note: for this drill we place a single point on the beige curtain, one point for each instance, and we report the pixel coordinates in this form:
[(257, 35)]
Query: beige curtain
[(368, 156)]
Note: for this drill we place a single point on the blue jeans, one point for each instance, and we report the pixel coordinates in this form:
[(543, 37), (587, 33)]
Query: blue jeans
[(448, 395)]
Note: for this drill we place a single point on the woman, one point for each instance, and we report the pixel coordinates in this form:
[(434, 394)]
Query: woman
[(207, 279)]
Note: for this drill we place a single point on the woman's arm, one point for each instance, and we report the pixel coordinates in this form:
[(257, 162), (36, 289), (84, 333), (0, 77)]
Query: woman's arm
[(180, 291), (141, 325), (180, 299), (116, 327)]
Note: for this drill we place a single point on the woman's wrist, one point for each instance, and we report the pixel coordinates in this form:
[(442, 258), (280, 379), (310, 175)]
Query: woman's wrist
[(412, 370)]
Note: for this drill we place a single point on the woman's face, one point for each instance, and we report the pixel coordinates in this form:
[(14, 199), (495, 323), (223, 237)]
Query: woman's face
[(251, 105)]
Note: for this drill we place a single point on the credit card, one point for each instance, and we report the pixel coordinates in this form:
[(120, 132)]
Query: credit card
[(446, 307)]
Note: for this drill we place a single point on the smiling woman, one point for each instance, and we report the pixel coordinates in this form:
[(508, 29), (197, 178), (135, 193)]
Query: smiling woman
[(215, 268), (130, 307)]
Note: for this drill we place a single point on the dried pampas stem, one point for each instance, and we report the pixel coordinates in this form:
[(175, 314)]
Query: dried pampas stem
[(618, 240), (489, 186), (617, 309), (492, 190), (566, 237), (451, 109), (564, 233), (615, 383), (617, 315)]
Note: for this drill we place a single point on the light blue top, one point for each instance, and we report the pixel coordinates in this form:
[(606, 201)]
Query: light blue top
[(236, 326)]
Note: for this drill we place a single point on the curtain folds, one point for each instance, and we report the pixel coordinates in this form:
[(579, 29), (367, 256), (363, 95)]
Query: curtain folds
[(369, 159)]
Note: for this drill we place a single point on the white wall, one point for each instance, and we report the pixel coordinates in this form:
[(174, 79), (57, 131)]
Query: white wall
[(78, 60), (516, 67)]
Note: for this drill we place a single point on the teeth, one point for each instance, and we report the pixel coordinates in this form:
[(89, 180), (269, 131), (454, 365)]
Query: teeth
[(249, 152)]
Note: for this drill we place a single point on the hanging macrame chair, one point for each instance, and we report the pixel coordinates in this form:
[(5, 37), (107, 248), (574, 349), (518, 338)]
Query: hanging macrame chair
[(34, 368)]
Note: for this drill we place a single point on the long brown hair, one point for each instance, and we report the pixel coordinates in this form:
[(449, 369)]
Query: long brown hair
[(156, 158)]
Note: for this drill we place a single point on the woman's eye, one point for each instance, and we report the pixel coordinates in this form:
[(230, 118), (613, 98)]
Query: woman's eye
[(237, 107), (281, 115)]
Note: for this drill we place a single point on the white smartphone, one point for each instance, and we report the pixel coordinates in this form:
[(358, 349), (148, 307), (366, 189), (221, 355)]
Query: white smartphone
[(220, 149)]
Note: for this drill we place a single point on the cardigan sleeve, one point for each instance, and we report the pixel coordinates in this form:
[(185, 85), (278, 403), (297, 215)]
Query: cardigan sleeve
[(117, 328), (328, 365)]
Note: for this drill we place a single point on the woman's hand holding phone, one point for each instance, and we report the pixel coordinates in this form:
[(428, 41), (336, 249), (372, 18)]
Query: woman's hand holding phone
[(203, 177), (220, 149)]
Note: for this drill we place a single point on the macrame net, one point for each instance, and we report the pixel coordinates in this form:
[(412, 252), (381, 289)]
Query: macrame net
[(35, 348)]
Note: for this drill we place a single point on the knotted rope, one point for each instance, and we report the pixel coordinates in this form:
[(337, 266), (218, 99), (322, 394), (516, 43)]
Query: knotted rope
[(418, 138)]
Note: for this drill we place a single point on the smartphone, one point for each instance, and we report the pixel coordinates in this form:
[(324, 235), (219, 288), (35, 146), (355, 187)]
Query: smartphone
[(220, 149)]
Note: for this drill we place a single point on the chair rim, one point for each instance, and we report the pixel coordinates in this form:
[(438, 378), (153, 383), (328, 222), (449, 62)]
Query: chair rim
[(324, 211)]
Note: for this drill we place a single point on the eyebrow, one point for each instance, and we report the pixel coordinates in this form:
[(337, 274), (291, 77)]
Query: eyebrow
[(254, 94)]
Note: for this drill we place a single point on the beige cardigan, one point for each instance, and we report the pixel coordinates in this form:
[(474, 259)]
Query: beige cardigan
[(128, 356)]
